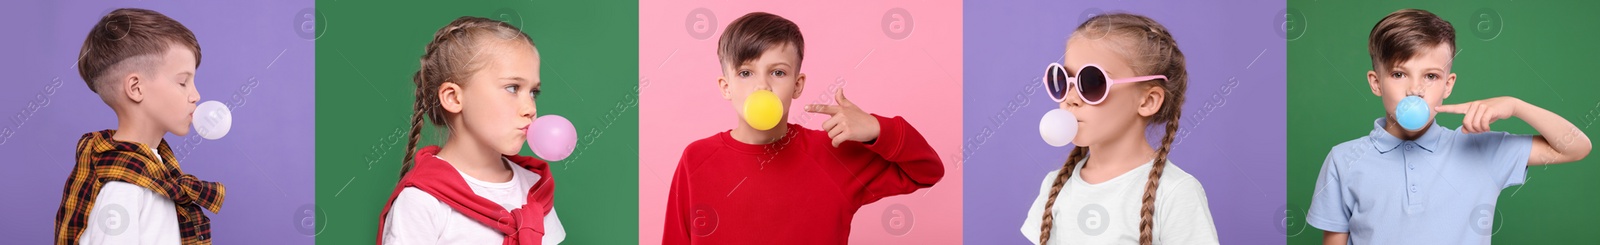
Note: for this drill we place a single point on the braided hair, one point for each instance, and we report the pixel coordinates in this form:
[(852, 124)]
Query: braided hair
[(1156, 53), (450, 58)]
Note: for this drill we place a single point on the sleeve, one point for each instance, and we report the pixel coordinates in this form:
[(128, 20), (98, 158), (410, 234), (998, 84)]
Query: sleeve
[(1329, 211), (118, 216), (902, 161), (676, 228), (1184, 215), (1510, 154), (1030, 226), (207, 194), (554, 232), (415, 218)]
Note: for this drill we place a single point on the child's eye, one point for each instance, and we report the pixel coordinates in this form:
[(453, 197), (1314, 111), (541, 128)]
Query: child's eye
[(744, 73), (511, 88), (1397, 75), (534, 93), (779, 73), (1432, 76)]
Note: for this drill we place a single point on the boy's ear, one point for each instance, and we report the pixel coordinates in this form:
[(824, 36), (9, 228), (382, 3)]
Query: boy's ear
[(131, 86), (1372, 81), (1449, 84), (1153, 98), (799, 86), (722, 85), (450, 97)]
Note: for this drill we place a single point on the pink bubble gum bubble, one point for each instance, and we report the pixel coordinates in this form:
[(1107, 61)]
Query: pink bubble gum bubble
[(552, 137)]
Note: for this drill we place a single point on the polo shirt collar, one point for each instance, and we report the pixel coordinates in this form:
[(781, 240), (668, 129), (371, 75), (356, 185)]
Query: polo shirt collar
[(1384, 142)]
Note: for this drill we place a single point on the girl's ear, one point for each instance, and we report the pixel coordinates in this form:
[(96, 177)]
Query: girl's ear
[(1153, 97), (450, 97)]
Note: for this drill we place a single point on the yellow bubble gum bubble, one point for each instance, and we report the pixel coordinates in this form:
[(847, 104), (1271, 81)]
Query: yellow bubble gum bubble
[(762, 110)]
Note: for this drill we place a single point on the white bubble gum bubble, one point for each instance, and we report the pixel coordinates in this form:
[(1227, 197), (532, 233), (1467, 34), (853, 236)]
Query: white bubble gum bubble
[(1058, 127), (212, 120)]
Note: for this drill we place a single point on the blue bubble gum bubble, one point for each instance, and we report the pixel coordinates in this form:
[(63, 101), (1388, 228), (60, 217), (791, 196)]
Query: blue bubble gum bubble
[(1412, 113)]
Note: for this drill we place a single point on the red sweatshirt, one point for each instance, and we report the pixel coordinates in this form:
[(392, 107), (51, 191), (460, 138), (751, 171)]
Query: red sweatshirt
[(799, 190), (522, 226)]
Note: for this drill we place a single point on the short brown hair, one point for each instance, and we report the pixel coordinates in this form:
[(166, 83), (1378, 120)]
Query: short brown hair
[(1405, 33), (128, 33), (750, 35)]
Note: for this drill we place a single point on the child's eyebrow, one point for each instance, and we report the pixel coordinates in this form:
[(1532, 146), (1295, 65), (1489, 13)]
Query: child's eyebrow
[(1423, 69), (532, 83), (780, 64), (521, 80)]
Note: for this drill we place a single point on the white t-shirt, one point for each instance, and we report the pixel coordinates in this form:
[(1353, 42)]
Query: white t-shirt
[(1108, 212), (125, 213), (416, 217)]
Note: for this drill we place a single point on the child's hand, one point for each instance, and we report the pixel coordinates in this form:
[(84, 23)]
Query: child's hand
[(848, 122), (1481, 113)]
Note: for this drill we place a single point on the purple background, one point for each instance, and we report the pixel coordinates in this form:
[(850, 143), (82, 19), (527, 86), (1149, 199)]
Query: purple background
[(1236, 150), (265, 161)]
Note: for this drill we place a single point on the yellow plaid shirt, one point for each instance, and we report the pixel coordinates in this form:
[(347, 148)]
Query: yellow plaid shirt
[(101, 160)]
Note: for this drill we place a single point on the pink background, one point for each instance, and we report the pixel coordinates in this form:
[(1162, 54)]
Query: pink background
[(917, 77)]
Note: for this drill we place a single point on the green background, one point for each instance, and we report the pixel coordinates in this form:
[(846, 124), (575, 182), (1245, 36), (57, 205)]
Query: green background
[(1544, 54), (367, 52)]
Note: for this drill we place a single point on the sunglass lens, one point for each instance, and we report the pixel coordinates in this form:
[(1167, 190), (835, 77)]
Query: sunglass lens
[(1056, 81), (1092, 83)]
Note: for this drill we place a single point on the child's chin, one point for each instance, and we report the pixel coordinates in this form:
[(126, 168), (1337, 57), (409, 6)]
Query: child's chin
[(510, 149), (1078, 142)]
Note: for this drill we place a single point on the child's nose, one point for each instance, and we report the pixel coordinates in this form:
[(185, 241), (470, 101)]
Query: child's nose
[(763, 84), (1418, 86), (1072, 98), (528, 109)]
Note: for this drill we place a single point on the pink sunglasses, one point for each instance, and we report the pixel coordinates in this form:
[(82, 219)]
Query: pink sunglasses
[(1093, 83)]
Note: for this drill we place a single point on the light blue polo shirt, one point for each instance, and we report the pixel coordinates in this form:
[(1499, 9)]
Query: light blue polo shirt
[(1438, 189)]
